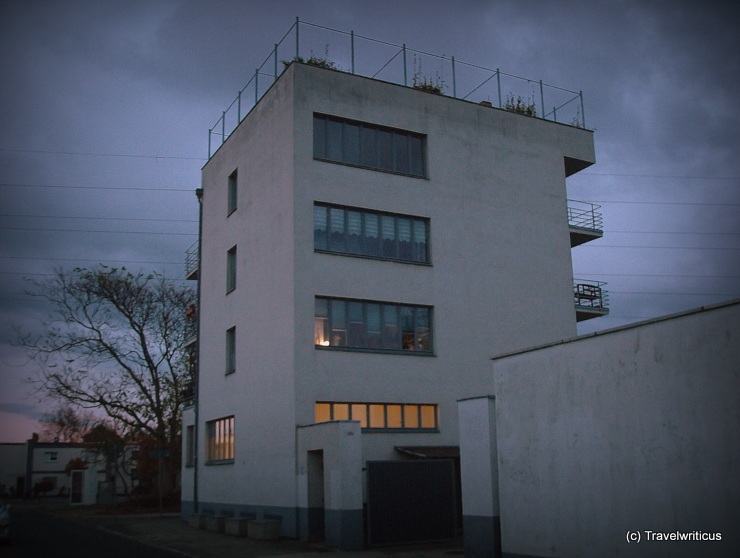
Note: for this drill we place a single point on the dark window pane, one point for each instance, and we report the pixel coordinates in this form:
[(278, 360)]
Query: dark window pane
[(407, 328), (390, 338), (416, 155), (372, 235), (338, 324), (319, 137), (401, 143), (372, 325), (405, 251), (336, 229), (420, 241), (389, 236), (356, 330), (333, 140), (351, 143), (423, 330), (354, 232), (369, 146), (319, 227), (385, 150)]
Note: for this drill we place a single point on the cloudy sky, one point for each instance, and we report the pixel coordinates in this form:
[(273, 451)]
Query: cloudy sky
[(107, 107)]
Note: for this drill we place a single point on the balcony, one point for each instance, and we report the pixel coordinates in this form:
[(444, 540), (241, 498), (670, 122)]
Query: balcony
[(584, 221), (191, 262), (590, 298)]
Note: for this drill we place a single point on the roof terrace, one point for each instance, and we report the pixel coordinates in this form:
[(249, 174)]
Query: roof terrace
[(348, 52)]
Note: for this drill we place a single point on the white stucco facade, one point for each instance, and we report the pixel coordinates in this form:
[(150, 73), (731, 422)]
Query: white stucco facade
[(607, 442), (499, 276)]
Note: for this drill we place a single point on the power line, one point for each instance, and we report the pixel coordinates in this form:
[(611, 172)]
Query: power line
[(96, 231), (86, 260), (87, 153), (158, 220), (96, 187), (660, 176)]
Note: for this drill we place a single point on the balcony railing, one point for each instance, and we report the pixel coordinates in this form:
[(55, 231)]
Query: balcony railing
[(585, 222), (191, 261), (355, 54), (590, 298)]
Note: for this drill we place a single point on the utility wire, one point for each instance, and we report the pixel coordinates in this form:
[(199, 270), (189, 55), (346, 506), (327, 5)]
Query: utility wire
[(127, 155), (96, 187)]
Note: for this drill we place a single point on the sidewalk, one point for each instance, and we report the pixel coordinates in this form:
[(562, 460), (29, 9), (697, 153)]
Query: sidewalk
[(169, 532)]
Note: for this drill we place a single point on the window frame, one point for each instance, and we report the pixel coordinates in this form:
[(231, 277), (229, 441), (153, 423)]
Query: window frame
[(220, 441), (364, 245), (231, 266), (230, 360), (329, 148), (354, 407), (232, 192), (333, 326)]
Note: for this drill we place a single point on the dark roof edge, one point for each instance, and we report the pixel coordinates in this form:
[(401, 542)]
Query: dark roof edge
[(621, 328)]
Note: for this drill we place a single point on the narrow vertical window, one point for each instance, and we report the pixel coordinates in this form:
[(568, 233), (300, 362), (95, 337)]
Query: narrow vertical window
[(320, 213), (233, 192), (231, 350), (189, 445), (231, 269)]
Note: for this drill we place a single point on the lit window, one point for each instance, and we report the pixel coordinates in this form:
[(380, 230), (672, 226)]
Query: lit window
[(381, 416), (232, 192), (368, 145), (231, 350), (368, 325), (374, 234), (220, 440), (231, 270)]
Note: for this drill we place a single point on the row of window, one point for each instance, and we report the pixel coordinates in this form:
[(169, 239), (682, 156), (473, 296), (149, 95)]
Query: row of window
[(368, 145), (340, 140), (381, 416), (364, 324), (372, 416), (362, 232)]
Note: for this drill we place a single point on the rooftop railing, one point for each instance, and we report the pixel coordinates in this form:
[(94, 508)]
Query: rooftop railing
[(589, 294), (191, 261), (356, 54)]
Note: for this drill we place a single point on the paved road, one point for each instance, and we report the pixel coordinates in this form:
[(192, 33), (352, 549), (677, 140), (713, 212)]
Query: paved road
[(34, 535)]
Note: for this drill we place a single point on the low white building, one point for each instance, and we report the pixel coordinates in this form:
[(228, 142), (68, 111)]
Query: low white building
[(620, 443)]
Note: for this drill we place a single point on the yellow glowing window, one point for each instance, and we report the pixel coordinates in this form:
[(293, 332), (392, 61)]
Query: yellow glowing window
[(380, 416)]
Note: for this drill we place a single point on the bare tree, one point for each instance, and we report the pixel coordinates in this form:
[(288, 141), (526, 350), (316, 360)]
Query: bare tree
[(115, 342), (67, 423)]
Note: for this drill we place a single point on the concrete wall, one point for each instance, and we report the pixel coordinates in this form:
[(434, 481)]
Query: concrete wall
[(629, 431)]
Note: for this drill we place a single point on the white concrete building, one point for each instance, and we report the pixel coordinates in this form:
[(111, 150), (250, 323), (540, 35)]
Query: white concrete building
[(365, 248), (621, 443)]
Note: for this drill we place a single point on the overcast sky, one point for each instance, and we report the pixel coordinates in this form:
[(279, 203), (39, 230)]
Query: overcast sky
[(107, 107)]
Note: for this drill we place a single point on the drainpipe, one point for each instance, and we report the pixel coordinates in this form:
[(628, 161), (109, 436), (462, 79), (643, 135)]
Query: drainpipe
[(199, 195)]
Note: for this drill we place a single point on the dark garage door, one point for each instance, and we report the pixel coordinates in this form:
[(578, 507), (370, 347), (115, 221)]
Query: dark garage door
[(410, 501)]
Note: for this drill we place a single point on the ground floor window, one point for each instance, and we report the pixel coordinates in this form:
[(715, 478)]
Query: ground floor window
[(381, 416), (220, 436)]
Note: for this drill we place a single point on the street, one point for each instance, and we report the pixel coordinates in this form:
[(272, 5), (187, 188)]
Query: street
[(35, 534)]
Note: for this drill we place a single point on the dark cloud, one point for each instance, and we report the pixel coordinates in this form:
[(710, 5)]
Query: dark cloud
[(142, 79)]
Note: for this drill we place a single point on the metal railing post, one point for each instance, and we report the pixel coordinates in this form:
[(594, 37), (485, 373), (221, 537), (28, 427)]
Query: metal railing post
[(223, 127), (256, 85), (239, 107), (297, 52), (554, 114), (352, 49), (454, 81), (210, 131), (405, 80), (542, 99), (276, 64), (583, 112), (498, 80)]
